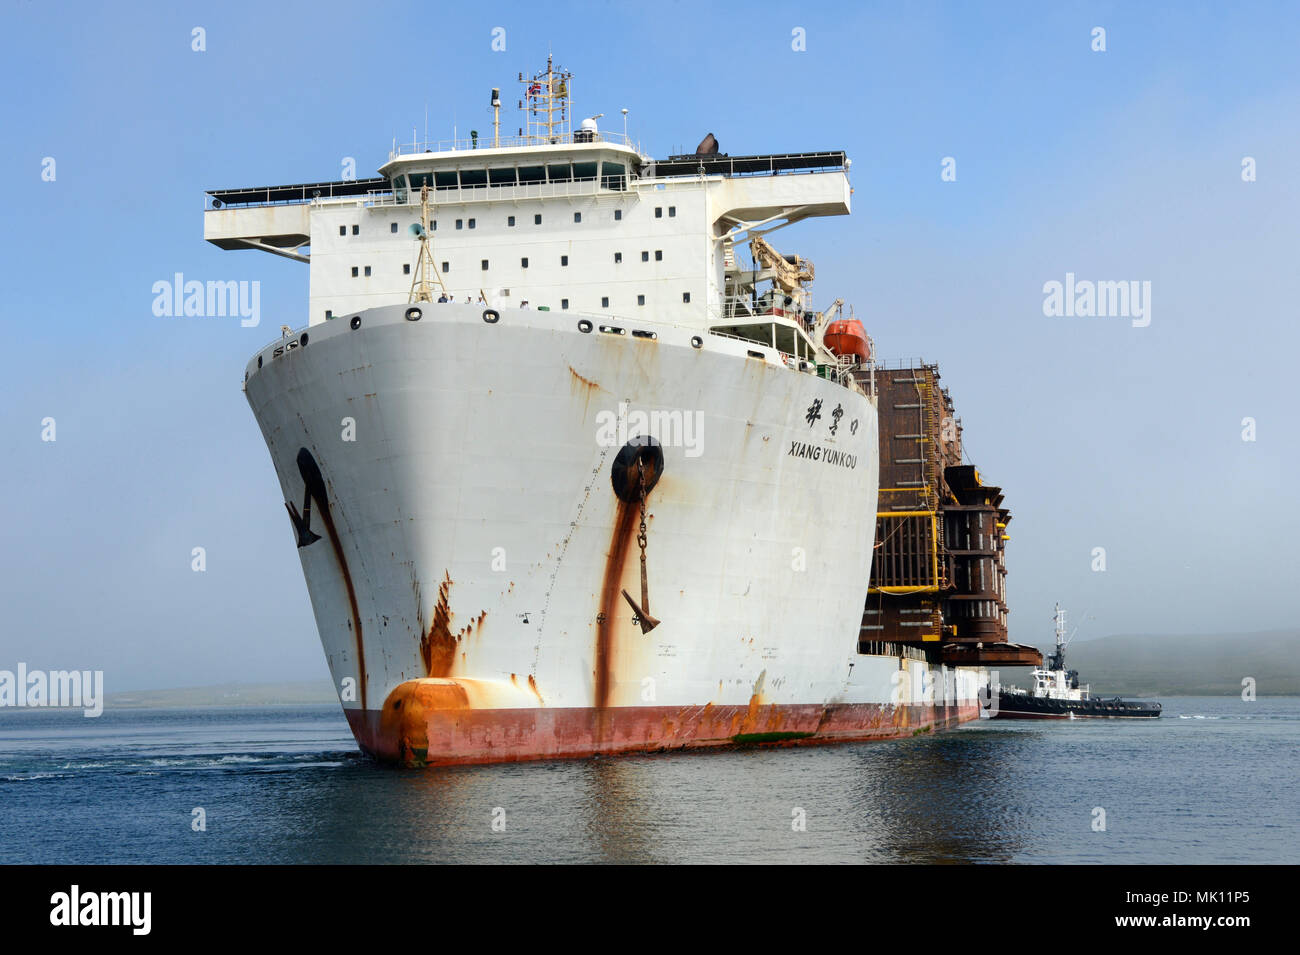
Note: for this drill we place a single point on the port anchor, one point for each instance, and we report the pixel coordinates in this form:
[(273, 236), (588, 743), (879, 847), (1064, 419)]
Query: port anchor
[(636, 470)]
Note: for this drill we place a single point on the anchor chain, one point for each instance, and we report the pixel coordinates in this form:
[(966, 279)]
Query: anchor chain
[(642, 540)]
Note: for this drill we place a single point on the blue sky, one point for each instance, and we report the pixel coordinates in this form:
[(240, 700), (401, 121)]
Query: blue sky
[(1115, 165)]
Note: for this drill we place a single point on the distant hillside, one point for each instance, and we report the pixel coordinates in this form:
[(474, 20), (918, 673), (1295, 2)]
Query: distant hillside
[(229, 694), (1203, 665)]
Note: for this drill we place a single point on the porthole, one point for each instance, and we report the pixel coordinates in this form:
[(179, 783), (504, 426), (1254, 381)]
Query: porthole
[(414, 314), (697, 341), (491, 316), (584, 326), (303, 340), (259, 361), (356, 322)]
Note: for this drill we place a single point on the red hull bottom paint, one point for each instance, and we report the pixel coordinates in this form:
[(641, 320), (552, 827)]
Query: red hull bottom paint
[(426, 732)]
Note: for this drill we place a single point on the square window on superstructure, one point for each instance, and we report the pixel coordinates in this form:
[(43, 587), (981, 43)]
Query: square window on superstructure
[(659, 212), (367, 271), (523, 263), (564, 303), (618, 257), (355, 271), (640, 299), (537, 219), (460, 223), (672, 211), (472, 223), (485, 265), (343, 230), (577, 217), (686, 296), (659, 255), (645, 256), (604, 301), (618, 215), (446, 267), (406, 268), (392, 227), (564, 260), (329, 313), (356, 230), (510, 220)]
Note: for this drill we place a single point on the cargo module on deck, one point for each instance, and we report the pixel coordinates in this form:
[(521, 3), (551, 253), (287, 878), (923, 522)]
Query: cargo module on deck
[(573, 464), (938, 578)]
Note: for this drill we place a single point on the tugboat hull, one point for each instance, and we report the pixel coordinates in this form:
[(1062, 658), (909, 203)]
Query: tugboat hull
[(1025, 707)]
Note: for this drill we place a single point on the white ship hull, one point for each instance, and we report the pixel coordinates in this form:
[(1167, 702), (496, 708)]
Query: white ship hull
[(467, 581)]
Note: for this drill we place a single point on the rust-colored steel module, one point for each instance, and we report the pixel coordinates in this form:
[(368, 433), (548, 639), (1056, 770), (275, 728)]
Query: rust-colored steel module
[(938, 577)]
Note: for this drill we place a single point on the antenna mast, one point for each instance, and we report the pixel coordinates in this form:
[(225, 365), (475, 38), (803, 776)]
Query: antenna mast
[(546, 104), (420, 288)]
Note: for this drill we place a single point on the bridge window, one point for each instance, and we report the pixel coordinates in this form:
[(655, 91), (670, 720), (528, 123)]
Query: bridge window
[(501, 177), (419, 179), (560, 172), (613, 175), (445, 180), (531, 174), (469, 178), (584, 170)]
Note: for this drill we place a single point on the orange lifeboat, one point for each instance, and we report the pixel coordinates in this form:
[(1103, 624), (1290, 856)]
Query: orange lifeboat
[(846, 336)]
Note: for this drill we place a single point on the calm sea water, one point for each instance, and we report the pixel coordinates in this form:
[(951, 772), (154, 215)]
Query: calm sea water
[(1212, 781)]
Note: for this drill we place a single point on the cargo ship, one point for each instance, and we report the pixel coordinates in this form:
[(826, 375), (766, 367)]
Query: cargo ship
[(1056, 694), (574, 466)]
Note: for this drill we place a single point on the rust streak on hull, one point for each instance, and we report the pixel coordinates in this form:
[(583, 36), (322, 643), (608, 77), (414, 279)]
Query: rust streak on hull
[(610, 591), (438, 645)]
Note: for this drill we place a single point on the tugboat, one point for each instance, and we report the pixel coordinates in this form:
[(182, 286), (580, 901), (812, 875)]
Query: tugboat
[(1057, 694)]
